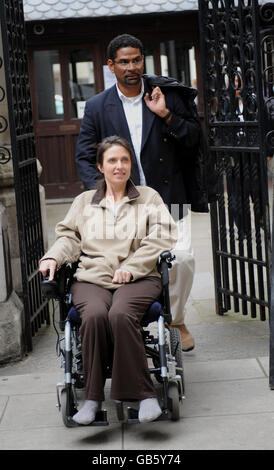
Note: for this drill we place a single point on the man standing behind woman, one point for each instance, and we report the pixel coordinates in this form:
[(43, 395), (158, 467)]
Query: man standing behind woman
[(162, 132)]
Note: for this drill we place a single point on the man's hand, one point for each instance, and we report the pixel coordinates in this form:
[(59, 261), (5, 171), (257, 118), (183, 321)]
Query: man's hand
[(157, 103), (121, 276), (48, 265)]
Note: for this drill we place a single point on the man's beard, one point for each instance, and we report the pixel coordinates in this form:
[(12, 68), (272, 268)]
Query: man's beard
[(132, 81)]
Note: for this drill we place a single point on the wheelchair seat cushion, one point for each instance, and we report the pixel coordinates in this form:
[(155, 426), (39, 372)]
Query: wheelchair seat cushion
[(74, 316), (151, 315)]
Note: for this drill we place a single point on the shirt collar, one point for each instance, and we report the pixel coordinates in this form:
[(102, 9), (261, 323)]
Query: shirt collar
[(99, 195), (126, 98)]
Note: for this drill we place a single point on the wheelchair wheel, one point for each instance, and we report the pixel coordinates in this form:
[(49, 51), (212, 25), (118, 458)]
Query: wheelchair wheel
[(68, 422), (173, 395), (176, 351)]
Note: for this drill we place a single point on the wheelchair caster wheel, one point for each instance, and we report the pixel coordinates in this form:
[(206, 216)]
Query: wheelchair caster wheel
[(67, 420), (174, 400)]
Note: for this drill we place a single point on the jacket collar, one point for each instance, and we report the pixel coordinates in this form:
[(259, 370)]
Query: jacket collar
[(99, 195)]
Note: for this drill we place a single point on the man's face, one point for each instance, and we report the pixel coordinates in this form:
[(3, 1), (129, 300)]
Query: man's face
[(128, 66)]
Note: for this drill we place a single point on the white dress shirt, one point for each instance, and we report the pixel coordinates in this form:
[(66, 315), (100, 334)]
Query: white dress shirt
[(133, 109)]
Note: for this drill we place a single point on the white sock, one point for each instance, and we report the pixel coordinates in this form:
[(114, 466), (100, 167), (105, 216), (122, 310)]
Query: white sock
[(149, 410), (87, 413)]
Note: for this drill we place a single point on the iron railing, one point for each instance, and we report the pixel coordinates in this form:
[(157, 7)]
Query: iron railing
[(237, 53), (24, 164)]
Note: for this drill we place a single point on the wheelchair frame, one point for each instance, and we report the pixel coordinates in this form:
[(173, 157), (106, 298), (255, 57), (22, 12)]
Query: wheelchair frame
[(165, 355)]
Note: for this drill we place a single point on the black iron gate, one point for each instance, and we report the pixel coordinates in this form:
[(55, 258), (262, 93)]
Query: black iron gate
[(24, 164), (237, 51)]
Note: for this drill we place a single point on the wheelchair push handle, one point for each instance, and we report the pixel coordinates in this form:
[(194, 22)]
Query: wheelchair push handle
[(167, 257), (164, 264)]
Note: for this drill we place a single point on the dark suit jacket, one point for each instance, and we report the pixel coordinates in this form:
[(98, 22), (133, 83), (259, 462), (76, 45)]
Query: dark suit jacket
[(162, 150)]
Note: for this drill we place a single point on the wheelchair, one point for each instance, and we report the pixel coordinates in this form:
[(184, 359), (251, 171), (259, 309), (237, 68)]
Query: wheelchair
[(162, 348)]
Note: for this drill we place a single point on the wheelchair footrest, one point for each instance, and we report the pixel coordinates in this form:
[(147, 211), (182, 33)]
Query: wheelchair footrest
[(133, 416), (100, 420)]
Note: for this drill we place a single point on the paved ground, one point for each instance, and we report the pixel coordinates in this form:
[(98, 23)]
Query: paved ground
[(228, 405)]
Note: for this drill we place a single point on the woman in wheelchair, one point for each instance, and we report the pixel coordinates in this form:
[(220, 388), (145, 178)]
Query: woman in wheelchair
[(117, 233)]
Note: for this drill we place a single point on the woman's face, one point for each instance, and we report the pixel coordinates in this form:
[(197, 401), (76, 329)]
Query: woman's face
[(116, 165)]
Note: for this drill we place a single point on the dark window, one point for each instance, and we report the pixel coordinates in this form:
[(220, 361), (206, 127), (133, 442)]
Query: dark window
[(48, 84)]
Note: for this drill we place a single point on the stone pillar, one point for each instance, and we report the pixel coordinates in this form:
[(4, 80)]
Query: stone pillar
[(7, 199), (11, 307)]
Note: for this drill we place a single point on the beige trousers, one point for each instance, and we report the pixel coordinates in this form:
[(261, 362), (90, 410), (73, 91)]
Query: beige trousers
[(181, 274)]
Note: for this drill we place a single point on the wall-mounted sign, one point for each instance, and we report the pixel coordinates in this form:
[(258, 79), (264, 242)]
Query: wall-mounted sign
[(80, 109), (109, 77)]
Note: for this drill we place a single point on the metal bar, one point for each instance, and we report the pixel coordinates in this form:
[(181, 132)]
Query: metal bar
[(240, 218), (251, 256), (241, 258), (271, 312), (231, 210), (247, 195), (243, 297), (258, 214), (223, 233), (216, 260)]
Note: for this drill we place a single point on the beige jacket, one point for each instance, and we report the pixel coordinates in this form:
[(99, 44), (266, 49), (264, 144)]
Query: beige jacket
[(105, 237)]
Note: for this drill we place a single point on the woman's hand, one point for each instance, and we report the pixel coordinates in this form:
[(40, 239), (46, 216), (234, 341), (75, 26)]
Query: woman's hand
[(121, 276), (48, 265)]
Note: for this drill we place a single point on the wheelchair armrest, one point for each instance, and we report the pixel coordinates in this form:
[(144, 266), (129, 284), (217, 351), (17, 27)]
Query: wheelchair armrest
[(60, 285), (50, 289)]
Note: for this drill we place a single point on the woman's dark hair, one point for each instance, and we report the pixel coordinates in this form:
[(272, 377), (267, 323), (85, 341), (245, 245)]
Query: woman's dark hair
[(110, 142), (124, 40)]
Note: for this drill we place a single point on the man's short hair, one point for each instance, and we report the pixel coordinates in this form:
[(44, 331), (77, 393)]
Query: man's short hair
[(124, 40)]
